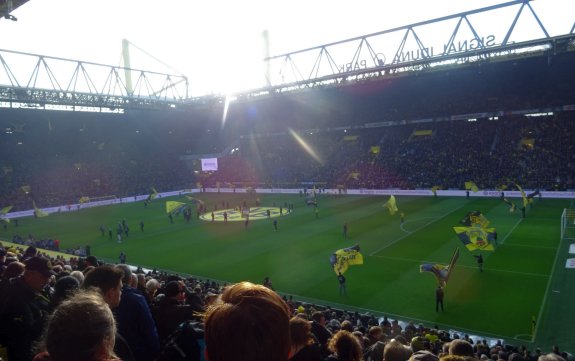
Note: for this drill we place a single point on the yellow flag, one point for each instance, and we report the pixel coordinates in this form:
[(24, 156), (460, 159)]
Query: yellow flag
[(523, 195), (173, 206), (38, 213), (354, 175), (391, 205), (471, 186), (3, 212), (152, 195), (343, 258)]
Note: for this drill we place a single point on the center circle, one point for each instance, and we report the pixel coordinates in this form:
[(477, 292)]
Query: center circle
[(237, 215)]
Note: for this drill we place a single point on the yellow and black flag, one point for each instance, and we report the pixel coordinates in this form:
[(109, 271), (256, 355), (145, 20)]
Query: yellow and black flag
[(476, 238), (343, 258), (474, 218)]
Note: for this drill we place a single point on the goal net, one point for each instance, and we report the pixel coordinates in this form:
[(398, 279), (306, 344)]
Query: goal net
[(568, 224)]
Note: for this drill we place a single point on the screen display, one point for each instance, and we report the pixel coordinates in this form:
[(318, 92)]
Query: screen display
[(209, 164)]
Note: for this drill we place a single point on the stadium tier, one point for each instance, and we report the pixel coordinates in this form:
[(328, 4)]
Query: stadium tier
[(489, 122)]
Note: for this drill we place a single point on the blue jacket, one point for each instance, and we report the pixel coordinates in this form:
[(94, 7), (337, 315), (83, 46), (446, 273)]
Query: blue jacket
[(136, 325)]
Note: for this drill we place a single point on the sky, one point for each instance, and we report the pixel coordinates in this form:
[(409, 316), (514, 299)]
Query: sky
[(218, 44)]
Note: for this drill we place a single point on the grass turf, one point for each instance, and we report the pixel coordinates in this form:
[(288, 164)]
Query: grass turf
[(500, 302)]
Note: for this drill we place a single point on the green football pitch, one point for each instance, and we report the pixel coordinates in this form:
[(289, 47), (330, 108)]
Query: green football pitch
[(524, 279)]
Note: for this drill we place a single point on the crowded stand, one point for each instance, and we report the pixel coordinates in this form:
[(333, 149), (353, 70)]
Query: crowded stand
[(455, 125), (535, 151)]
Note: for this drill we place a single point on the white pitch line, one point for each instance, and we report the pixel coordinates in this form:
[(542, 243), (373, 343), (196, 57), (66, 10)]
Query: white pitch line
[(546, 292), (511, 231), (412, 221), (529, 245), (465, 266), (425, 225)]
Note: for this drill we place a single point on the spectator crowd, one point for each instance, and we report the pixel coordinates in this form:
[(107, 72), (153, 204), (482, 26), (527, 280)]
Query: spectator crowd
[(83, 309)]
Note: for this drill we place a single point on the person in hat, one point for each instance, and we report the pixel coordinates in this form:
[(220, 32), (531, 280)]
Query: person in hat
[(24, 307), (64, 288)]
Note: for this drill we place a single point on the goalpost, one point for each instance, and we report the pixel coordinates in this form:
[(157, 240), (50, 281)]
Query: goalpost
[(568, 224)]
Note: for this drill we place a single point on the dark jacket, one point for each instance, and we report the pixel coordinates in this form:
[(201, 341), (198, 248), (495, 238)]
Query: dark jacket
[(169, 313), (136, 325), (23, 314), (308, 353), (322, 335)]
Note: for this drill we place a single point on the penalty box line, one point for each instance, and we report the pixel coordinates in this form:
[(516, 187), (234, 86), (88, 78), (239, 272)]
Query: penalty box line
[(416, 230)]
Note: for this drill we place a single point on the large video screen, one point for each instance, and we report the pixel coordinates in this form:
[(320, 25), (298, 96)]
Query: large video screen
[(209, 164)]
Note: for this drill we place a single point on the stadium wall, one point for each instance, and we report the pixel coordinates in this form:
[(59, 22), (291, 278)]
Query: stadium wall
[(365, 192)]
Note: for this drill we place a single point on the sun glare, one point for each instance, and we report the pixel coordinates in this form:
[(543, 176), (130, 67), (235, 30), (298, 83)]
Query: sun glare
[(306, 146)]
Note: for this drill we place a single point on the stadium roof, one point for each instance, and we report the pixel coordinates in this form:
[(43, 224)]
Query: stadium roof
[(7, 6)]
